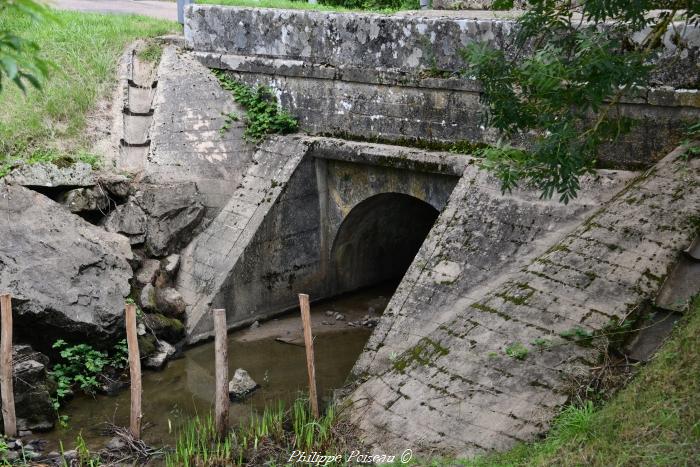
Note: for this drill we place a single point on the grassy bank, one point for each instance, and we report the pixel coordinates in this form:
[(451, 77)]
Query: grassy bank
[(85, 48), (655, 420)]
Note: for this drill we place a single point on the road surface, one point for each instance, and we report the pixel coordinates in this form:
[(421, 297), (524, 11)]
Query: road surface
[(153, 8)]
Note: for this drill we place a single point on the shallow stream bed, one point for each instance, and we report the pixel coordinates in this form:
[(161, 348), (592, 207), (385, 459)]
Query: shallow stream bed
[(185, 387)]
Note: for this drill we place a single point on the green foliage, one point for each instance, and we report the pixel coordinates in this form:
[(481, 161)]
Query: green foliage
[(578, 334), (81, 365), (264, 116), (85, 458), (267, 439), (517, 351), (382, 6), (374, 4), (560, 87), (20, 60)]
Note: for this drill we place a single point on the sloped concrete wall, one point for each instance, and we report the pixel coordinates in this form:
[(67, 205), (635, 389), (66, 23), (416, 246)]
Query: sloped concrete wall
[(397, 77), (435, 375)]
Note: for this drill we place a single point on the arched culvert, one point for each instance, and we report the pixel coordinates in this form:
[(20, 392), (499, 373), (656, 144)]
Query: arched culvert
[(378, 240)]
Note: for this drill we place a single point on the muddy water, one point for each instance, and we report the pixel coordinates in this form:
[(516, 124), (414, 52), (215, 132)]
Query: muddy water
[(185, 387)]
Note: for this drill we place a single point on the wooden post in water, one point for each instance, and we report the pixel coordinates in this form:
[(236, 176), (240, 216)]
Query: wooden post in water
[(221, 401), (134, 371), (6, 386), (309, 344)]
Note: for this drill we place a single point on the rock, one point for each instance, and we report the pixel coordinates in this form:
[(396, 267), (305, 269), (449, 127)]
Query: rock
[(85, 200), (70, 455), (140, 329), (148, 272), (174, 212), (53, 454), (115, 444), (32, 388), (328, 323), (50, 175), (241, 385), (147, 345), (11, 456), (169, 329), (255, 325), (130, 220), (170, 265), (158, 359), (22, 434), (116, 185), (330, 313), (112, 387), (170, 302), (339, 317), (162, 216), (148, 298), (67, 277)]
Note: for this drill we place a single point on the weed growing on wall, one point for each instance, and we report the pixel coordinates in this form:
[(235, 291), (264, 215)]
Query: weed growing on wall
[(264, 116)]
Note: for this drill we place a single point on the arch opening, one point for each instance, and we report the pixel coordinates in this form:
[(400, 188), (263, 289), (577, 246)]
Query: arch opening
[(378, 240)]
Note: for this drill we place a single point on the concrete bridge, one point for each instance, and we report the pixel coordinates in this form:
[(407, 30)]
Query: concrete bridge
[(480, 271), (302, 221)]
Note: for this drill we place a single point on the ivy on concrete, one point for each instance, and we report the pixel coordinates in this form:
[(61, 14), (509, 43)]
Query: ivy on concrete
[(264, 115)]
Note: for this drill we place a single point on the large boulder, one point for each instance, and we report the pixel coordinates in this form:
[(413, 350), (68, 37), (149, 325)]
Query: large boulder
[(50, 175), (163, 217), (32, 387), (67, 277)]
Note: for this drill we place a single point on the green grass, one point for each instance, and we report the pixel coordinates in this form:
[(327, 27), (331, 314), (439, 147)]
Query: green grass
[(655, 420), (267, 439), (50, 125), (296, 5)]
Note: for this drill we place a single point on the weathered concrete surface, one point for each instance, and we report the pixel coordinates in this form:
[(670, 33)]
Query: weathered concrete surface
[(435, 375), (280, 225), (325, 223), (187, 140), (397, 77), (223, 250), (88, 269)]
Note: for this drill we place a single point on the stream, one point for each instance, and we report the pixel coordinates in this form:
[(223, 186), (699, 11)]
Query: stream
[(185, 387)]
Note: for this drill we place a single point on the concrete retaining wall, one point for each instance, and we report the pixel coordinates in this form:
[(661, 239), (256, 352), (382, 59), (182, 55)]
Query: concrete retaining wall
[(396, 77)]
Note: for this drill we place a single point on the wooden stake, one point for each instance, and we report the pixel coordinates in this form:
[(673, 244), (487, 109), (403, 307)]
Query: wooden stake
[(221, 401), (134, 370), (6, 386), (309, 343)]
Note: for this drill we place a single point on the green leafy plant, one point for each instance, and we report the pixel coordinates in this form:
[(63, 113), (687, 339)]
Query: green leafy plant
[(264, 116), (559, 86), (578, 334), (20, 61), (81, 367), (517, 351)]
